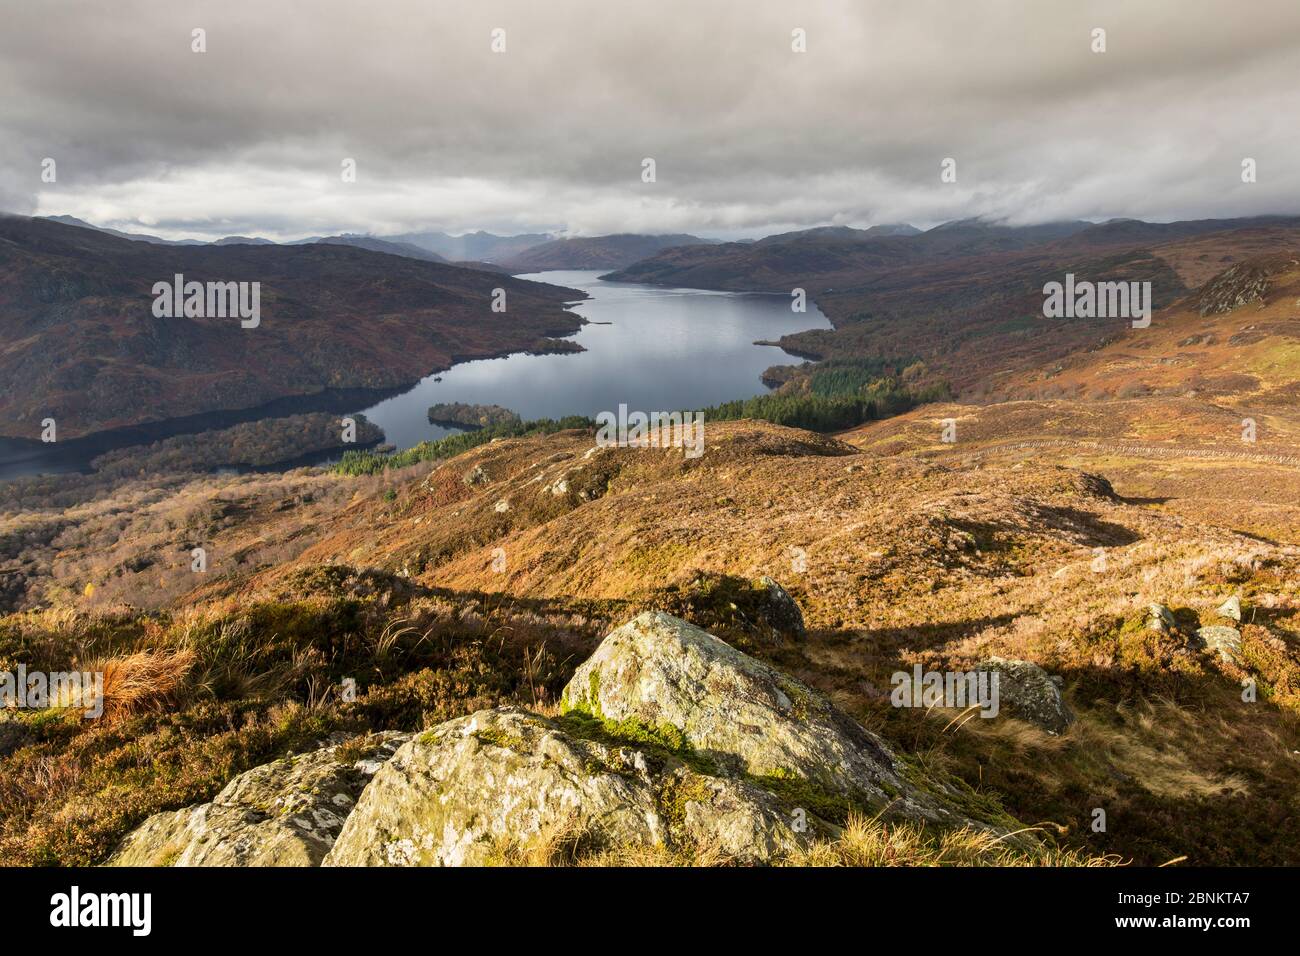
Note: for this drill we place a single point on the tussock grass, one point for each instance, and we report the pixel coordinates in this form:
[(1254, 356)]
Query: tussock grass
[(871, 842), (142, 681), (863, 842)]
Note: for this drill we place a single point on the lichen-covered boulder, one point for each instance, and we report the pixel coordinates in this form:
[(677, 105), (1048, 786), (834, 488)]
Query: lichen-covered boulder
[(285, 813), (1026, 691), (733, 818), (740, 714), (1230, 609), (470, 789), (456, 794), (1225, 640), (1160, 618)]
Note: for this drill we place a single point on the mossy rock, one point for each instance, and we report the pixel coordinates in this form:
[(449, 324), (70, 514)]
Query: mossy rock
[(744, 718)]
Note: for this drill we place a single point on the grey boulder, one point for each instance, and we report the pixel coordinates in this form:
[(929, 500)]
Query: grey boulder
[(285, 813), (1225, 640), (1026, 691)]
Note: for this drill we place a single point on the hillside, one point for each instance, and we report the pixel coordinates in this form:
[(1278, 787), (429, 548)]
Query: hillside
[(546, 544), (843, 233), (966, 297), (410, 250), (80, 343)]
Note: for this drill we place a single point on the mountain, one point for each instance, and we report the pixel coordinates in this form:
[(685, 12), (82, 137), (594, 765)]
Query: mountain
[(391, 247), (408, 249), (1132, 231), (815, 257), (138, 236), (595, 252), (472, 246), (847, 233), (79, 341), (145, 237), (243, 241)]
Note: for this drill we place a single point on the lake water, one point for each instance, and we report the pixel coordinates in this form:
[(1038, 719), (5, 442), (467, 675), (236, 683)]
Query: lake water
[(650, 348), (661, 350)]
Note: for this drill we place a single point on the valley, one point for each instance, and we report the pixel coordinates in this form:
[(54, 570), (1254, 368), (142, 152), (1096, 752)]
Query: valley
[(1032, 502)]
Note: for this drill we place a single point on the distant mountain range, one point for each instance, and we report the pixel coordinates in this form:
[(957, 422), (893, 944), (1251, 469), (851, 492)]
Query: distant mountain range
[(533, 252), (596, 252), (478, 246), (395, 246), (138, 236), (834, 259), (359, 311), (79, 341)]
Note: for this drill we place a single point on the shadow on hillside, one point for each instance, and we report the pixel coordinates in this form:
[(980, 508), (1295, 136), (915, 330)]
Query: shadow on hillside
[(914, 637), (1143, 501), (1096, 531), (1182, 765)]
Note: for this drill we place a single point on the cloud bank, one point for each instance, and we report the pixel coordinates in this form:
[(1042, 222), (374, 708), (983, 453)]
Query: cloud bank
[(747, 135)]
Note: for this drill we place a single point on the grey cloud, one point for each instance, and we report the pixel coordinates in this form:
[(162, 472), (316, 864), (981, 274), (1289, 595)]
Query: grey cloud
[(747, 135)]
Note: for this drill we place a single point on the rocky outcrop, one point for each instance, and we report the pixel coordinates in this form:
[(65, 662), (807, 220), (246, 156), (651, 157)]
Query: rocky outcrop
[(455, 794), (668, 738), (286, 813), (1028, 692), (1239, 285)]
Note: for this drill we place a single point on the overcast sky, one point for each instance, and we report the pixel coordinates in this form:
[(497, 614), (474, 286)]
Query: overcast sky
[(748, 136)]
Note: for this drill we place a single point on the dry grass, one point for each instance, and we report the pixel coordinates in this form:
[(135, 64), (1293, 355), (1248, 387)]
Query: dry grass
[(869, 842), (862, 842), (132, 544), (143, 681)]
